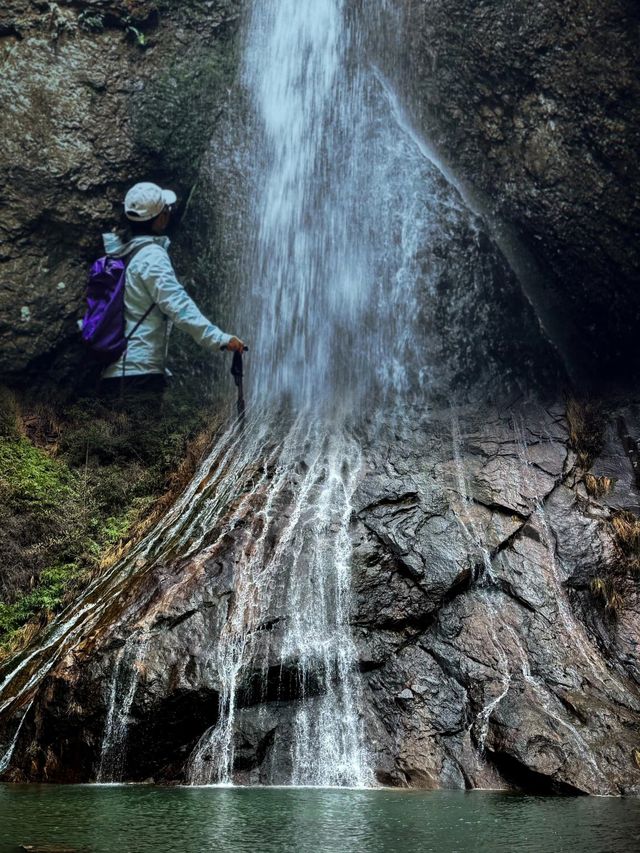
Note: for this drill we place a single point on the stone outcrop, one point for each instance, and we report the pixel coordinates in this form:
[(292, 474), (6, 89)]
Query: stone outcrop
[(95, 95), (503, 638), (538, 107), (488, 656)]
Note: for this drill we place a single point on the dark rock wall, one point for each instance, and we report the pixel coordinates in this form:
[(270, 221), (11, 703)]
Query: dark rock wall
[(538, 105), (535, 106), (96, 95), (484, 635)]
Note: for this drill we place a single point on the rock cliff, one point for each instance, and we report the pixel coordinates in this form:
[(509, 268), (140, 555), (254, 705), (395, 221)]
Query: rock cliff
[(96, 95), (535, 109), (495, 550), (538, 107), (495, 612)]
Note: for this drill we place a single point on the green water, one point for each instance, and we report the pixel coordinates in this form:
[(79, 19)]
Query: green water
[(137, 819)]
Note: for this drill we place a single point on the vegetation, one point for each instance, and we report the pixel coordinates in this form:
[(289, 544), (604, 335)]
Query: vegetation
[(586, 438), (598, 487), (610, 589), (74, 486), (134, 33), (586, 431), (626, 530), (605, 590)]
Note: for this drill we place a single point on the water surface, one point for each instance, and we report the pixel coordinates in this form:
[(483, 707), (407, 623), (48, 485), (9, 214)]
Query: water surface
[(137, 819)]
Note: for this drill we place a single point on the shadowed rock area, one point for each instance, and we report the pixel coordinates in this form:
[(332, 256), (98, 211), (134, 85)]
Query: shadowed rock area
[(538, 108)]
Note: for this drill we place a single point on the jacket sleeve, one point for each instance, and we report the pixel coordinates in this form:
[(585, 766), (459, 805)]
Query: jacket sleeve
[(173, 300)]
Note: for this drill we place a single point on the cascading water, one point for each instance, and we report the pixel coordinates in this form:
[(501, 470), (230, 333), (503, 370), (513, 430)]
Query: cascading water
[(299, 568), (496, 691), (330, 266), (343, 202), (121, 696)]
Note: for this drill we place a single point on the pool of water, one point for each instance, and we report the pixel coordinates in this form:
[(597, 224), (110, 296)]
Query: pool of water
[(137, 819)]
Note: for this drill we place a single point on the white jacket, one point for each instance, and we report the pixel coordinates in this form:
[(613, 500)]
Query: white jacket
[(152, 281)]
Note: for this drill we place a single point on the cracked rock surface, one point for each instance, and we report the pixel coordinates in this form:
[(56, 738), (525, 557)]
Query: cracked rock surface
[(486, 660), (485, 638)]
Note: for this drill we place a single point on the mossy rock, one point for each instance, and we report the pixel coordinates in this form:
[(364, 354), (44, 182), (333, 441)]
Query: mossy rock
[(174, 116), (59, 514)]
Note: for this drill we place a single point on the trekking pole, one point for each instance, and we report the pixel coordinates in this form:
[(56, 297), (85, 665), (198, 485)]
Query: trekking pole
[(237, 373)]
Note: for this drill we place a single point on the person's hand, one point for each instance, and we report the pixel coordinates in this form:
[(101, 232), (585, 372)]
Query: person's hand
[(235, 345)]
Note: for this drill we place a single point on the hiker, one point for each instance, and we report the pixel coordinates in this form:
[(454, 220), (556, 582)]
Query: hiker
[(154, 299)]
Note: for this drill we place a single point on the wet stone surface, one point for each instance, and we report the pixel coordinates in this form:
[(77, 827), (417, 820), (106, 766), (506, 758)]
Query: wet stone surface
[(485, 658)]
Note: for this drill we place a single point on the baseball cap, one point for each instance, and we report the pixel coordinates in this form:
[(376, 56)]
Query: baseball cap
[(146, 201)]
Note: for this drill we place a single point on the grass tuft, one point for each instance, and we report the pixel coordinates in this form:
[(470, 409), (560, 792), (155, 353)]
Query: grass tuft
[(604, 589), (626, 531), (586, 431), (598, 487)]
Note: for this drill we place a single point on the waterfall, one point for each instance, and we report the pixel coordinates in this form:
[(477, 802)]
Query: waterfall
[(330, 254), (495, 692), (297, 566), (341, 203), (5, 760), (121, 695)]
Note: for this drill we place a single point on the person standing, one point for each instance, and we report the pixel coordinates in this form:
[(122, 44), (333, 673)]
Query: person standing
[(154, 299)]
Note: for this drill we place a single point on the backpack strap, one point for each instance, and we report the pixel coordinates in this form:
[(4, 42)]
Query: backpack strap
[(153, 304), (141, 320)]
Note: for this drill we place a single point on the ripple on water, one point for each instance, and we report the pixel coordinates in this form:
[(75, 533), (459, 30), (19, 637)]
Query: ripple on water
[(137, 819)]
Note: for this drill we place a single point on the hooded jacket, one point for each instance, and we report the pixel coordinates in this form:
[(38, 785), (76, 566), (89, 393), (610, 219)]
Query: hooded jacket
[(151, 281)]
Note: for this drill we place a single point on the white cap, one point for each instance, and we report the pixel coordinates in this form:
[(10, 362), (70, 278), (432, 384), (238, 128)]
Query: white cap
[(146, 201)]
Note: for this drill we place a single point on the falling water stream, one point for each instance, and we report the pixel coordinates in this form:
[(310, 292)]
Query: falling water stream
[(329, 255)]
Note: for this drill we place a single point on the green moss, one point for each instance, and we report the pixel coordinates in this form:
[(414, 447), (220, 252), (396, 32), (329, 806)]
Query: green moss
[(175, 114), (29, 478), (60, 514)]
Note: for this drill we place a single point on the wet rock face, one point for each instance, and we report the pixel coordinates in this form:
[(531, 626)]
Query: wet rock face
[(495, 674), (487, 656), (96, 95), (539, 107)]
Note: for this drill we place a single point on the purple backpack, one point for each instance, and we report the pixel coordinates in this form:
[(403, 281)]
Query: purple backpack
[(103, 325)]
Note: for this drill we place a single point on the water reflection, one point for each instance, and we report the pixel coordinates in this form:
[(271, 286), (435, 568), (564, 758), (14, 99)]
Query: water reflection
[(105, 819)]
